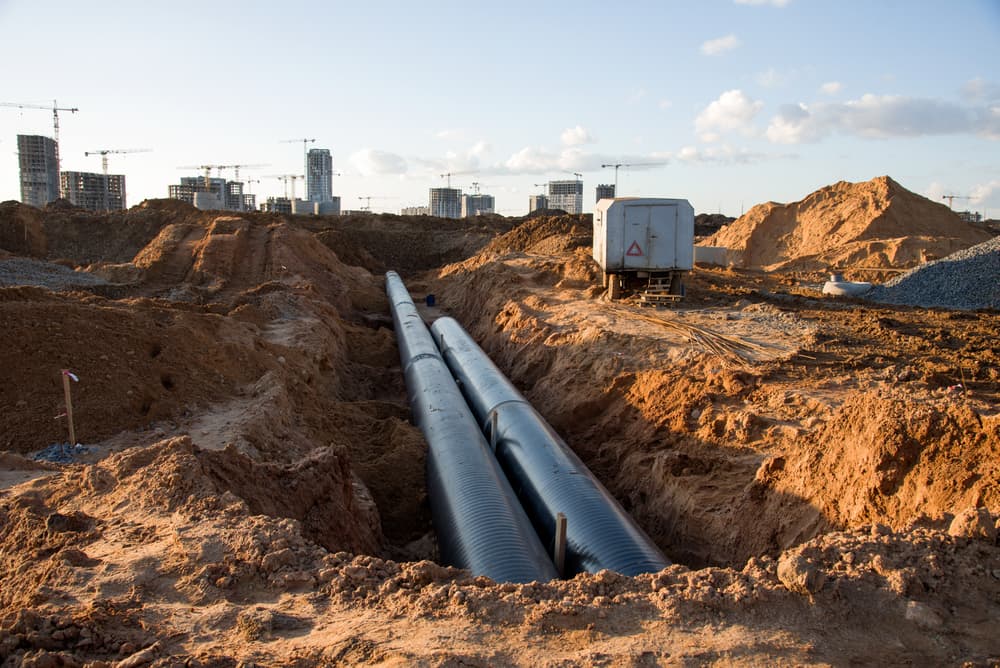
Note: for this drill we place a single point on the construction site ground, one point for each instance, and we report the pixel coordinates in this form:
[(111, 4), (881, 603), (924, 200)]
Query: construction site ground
[(824, 473)]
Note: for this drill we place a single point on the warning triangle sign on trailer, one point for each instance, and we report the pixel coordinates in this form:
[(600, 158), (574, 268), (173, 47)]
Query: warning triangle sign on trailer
[(634, 250)]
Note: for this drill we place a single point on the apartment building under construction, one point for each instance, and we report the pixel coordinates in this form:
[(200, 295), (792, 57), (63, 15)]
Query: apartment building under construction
[(39, 162), (96, 192), (229, 195)]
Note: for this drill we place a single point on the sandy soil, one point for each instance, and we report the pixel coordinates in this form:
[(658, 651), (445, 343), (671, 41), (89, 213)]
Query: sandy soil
[(823, 473)]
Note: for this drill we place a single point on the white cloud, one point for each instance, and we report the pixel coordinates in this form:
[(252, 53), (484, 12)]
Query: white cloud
[(723, 155), (831, 87), (881, 116), (371, 162), (770, 78), (714, 47), (733, 111), (666, 104), (576, 136), (773, 3), (450, 133), (986, 193), (980, 90)]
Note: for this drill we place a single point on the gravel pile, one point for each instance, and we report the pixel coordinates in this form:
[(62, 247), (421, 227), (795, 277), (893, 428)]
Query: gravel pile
[(60, 453), (967, 280), (24, 271)]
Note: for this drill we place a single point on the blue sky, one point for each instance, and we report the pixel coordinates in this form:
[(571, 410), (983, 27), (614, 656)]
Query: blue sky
[(737, 101)]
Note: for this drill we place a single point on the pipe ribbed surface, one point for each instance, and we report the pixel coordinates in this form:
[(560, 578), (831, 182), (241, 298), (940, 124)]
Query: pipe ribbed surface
[(479, 523), (545, 473)]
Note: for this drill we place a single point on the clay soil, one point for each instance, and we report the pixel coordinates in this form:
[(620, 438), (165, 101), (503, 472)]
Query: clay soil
[(824, 473)]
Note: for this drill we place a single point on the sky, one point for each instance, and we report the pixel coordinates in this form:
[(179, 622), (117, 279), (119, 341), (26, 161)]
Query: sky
[(726, 103)]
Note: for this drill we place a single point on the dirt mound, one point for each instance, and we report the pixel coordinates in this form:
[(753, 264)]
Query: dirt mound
[(877, 223), (544, 234), (67, 232)]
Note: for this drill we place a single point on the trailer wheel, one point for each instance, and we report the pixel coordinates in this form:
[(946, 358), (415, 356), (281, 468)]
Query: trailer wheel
[(604, 280), (614, 287)]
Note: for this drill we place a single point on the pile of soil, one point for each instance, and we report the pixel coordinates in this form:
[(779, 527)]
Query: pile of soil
[(874, 224)]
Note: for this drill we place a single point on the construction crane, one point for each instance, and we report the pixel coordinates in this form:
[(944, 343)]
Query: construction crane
[(104, 152), (448, 175), (368, 199), (629, 164), (951, 199), (305, 151), (236, 168), (286, 178), (104, 165), (476, 185), (578, 175), (208, 172), (55, 119)]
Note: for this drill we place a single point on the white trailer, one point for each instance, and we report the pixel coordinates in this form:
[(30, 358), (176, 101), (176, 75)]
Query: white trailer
[(644, 244)]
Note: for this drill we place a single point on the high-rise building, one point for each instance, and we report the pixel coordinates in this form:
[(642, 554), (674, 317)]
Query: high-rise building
[(229, 195), (37, 157), (538, 202), (566, 195), (477, 205), (446, 202), (319, 175), (96, 192), (605, 191)]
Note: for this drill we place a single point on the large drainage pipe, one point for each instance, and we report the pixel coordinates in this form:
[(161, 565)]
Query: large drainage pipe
[(546, 474), (479, 523)]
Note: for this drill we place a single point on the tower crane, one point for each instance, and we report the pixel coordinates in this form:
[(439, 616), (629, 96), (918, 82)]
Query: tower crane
[(368, 199), (448, 175), (305, 151), (286, 178), (55, 119), (104, 165), (104, 152), (629, 164), (236, 169), (476, 185), (951, 199), (208, 172)]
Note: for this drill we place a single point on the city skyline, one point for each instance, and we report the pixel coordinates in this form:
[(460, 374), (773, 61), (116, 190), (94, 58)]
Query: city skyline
[(735, 102)]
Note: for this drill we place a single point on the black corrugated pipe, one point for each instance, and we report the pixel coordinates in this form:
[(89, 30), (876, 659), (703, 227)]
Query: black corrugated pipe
[(547, 476), (479, 523)]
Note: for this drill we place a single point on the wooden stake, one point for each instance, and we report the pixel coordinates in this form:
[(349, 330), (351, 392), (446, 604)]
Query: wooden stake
[(69, 407), (559, 549)]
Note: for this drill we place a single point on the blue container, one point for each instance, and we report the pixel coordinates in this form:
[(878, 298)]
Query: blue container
[(429, 300)]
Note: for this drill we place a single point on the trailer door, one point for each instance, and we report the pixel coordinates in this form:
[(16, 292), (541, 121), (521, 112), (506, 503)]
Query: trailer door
[(650, 236)]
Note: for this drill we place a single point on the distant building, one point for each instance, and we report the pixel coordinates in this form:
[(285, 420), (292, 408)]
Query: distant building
[(277, 205), (38, 158), (477, 205), (446, 202), (319, 175), (330, 208), (537, 202), (970, 217), (416, 211), (566, 195), (605, 191), (96, 192), (229, 195)]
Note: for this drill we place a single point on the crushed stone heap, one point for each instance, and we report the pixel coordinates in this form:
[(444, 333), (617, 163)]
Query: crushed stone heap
[(877, 223), (968, 280)]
